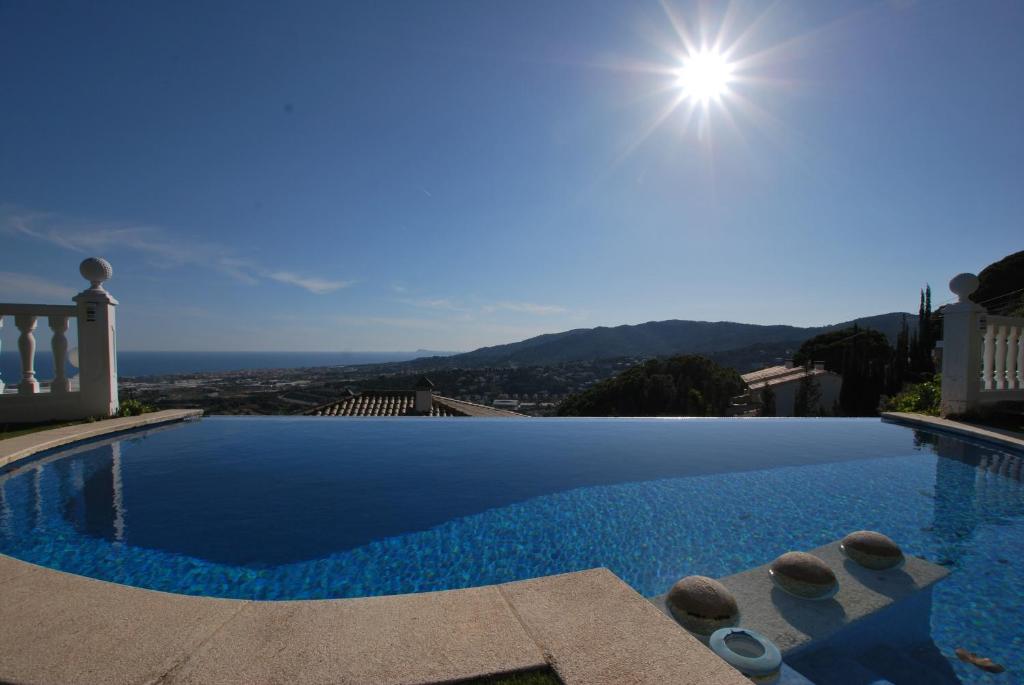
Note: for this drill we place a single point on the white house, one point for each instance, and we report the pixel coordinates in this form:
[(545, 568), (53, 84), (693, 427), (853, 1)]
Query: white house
[(785, 380)]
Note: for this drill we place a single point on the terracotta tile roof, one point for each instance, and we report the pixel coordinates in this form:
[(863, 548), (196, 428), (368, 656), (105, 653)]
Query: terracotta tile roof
[(402, 403), (774, 375)]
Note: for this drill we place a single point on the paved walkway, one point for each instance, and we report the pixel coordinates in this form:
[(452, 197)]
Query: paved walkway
[(997, 435), (589, 626), (13, 449)]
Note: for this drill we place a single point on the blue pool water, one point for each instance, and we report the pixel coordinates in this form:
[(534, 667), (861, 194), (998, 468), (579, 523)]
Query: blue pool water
[(296, 508)]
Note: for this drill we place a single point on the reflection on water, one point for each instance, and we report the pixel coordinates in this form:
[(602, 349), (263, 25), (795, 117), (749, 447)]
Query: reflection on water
[(86, 493), (987, 493)]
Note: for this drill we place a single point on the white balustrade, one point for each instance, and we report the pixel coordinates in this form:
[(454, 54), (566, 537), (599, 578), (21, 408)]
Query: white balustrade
[(1001, 367), (96, 392), (983, 354)]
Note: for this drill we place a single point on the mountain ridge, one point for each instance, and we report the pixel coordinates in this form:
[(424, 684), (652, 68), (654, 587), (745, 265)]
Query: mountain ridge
[(651, 339)]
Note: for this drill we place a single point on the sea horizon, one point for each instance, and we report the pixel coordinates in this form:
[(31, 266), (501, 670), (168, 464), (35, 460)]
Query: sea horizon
[(136, 363)]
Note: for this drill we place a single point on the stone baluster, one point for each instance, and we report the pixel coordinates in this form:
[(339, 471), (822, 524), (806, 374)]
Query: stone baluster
[(988, 355), (26, 323), (59, 345), (1020, 357), (1012, 343), (999, 362)]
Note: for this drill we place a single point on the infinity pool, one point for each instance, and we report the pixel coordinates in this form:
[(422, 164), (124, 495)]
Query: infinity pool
[(302, 508)]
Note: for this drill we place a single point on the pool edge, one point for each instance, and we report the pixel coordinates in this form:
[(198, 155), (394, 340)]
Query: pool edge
[(991, 435), (24, 446), (589, 626)]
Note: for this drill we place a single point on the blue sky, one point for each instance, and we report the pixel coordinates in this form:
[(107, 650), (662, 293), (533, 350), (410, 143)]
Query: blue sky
[(446, 175)]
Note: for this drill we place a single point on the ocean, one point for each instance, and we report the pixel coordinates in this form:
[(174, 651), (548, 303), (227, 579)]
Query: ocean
[(164, 363)]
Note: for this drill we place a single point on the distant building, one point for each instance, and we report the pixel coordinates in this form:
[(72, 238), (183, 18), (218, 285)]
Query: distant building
[(418, 402), (785, 380), (505, 404)]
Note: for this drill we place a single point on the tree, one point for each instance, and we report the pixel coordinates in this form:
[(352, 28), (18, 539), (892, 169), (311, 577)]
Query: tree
[(1001, 286), (808, 396), (900, 361), (921, 362), (862, 357), (687, 385), (768, 401)]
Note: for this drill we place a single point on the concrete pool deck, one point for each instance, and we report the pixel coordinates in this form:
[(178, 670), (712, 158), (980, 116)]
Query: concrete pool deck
[(23, 446), (590, 627), (996, 435)]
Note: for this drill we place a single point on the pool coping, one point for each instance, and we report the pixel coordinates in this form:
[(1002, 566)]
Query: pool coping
[(24, 446), (590, 627), (995, 435)]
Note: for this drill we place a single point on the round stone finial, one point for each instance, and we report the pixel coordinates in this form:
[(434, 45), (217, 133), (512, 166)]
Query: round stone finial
[(803, 575), (962, 285), (702, 605), (96, 270)]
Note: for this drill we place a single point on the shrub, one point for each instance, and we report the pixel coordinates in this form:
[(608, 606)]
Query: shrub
[(921, 398), (133, 408)]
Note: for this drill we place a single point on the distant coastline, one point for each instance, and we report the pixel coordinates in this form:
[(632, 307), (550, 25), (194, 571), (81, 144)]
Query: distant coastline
[(167, 363)]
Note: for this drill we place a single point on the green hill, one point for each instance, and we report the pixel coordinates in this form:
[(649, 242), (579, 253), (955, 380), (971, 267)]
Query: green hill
[(1001, 286)]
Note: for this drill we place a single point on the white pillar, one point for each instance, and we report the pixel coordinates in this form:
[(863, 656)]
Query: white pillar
[(963, 326), (97, 341)]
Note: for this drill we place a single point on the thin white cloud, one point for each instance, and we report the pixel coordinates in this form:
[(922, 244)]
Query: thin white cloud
[(526, 308), (392, 321), (13, 284), (446, 304), (433, 303), (153, 242), (317, 286)]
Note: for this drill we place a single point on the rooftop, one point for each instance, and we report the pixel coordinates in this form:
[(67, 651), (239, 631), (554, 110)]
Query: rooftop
[(402, 403), (774, 375)]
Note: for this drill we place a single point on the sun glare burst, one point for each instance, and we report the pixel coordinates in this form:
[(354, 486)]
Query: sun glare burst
[(704, 76)]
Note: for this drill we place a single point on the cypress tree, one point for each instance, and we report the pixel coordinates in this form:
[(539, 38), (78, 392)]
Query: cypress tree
[(901, 359), (808, 396), (768, 401)]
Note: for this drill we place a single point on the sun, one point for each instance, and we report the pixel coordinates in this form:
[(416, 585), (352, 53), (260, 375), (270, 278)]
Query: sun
[(704, 76)]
